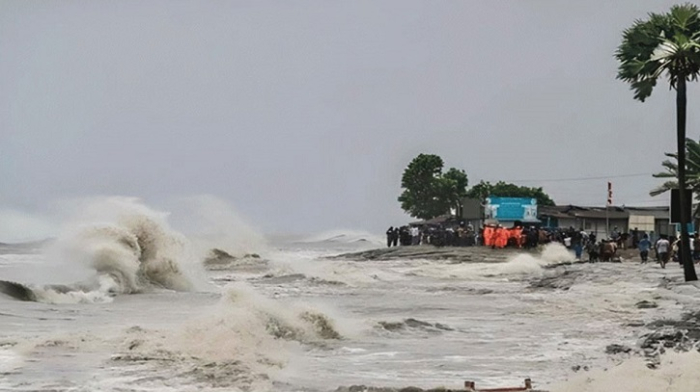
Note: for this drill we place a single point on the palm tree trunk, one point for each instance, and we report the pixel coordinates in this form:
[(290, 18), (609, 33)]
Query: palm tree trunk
[(681, 103)]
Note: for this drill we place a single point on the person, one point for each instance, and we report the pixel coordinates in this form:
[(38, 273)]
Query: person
[(389, 236), (675, 253), (532, 237), (592, 237), (577, 243), (662, 249), (487, 236), (415, 236), (644, 245), (608, 250), (404, 236), (593, 250), (615, 234)]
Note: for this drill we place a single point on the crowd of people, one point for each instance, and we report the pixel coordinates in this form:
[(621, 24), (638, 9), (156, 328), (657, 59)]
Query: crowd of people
[(578, 240), (464, 234), (668, 249), (439, 235)]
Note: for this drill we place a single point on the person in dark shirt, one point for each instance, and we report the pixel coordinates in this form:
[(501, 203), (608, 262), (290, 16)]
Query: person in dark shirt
[(389, 236), (577, 242), (644, 245)]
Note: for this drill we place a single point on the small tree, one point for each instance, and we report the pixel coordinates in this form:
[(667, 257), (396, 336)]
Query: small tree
[(485, 189), (692, 171), (427, 192)]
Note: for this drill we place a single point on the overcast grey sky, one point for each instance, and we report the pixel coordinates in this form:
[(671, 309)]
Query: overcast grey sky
[(304, 114)]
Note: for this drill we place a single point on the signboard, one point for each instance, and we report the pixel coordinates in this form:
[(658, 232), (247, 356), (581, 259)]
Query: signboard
[(471, 209), (676, 204), (691, 228), (642, 222), (511, 208)]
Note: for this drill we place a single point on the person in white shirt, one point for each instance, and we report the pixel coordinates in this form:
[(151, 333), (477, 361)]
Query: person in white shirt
[(662, 250), (415, 236)]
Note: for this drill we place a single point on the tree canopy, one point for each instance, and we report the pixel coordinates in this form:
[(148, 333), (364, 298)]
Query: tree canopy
[(665, 44), (427, 191), (692, 167), (484, 189)]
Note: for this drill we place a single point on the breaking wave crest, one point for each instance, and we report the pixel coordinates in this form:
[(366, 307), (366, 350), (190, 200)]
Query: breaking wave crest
[(237, 343), (296, 322), (526, 263), (123, 247)]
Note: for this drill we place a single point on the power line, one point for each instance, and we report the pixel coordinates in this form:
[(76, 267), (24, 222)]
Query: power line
[(583, 178), (655, 203)]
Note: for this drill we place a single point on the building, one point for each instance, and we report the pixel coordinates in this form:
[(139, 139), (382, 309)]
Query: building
[(652, 220)]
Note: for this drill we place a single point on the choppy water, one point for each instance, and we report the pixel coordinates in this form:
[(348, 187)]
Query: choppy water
[(294, 320)]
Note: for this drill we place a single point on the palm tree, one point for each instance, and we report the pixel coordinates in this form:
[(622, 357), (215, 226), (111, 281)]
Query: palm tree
[(692, 170), (666, 45)]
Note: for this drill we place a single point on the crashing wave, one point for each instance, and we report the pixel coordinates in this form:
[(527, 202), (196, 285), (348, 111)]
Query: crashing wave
[(284, 322), (235, 344), (131, 251), (221, 260)]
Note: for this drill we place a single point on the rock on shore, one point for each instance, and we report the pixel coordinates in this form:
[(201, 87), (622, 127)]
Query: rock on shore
[(470, 254)]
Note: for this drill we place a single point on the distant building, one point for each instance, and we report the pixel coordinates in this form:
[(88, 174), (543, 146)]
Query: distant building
[(654, 220)]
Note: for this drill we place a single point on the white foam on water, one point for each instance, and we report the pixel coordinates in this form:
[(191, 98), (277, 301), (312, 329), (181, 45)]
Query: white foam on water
[(245, 335), (307, 262), (101, 293), (677, 372), (255, 336), (10, 361), (526, 263), (517, 265)]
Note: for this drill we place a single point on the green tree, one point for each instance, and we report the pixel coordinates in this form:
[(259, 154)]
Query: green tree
[(666, 45), (485, 189), (455, 184), (427, 192), (692, 171)]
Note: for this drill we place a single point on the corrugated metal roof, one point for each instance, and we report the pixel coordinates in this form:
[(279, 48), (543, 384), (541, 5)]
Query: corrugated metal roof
[(613, 212)]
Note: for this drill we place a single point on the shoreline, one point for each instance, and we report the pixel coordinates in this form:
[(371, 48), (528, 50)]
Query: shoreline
[(654, 338)]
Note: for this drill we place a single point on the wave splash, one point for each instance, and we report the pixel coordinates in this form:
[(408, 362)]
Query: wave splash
[(526, 263), (126, 248), (240, 343)]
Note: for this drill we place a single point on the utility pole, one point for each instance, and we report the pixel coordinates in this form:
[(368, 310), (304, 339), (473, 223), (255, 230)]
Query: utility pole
[(607, 215)]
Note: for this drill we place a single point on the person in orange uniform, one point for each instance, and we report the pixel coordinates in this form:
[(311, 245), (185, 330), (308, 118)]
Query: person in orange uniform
[(488, 233), (517, 234), (502, 237)]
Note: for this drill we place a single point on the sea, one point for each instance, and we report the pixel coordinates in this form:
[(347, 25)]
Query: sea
[(123, 301)]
